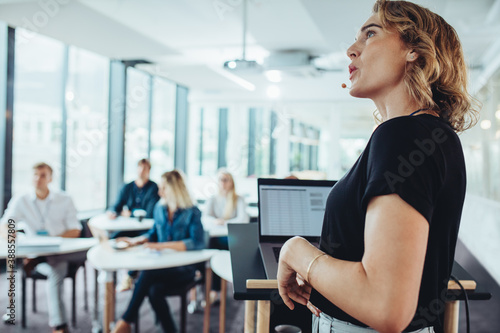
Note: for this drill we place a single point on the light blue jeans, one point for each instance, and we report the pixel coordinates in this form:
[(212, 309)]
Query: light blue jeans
[(327, 324)]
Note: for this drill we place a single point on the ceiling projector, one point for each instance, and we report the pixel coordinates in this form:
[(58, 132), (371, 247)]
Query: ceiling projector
[(238, 65)]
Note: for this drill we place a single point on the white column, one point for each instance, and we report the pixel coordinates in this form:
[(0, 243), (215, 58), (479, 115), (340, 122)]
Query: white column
[(282, 136)]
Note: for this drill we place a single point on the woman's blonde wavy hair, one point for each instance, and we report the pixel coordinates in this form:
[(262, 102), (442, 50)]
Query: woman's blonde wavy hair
[(231, 197), (175, 180), (438, 78)]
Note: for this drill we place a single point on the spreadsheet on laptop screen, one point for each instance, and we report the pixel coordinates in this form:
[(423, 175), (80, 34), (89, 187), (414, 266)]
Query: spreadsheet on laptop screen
[(292, 210)]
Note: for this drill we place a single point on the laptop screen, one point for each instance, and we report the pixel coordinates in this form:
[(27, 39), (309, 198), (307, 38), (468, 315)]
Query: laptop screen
[(292, 207)]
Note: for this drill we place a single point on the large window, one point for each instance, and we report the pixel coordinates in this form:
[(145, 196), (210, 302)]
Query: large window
[(351, 149), (137, 121), (304, 141), (87, 128), (38, 100), (481, 144), (203, 141), (261, 142), (61, 113), (162, 128), (237, 142)]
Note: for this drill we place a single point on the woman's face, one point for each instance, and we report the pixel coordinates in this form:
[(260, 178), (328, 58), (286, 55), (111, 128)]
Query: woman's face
[(378, 60), (164, 190), (225, 183)]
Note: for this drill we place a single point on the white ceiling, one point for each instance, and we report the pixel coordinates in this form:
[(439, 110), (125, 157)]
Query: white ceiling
[(188, 41)]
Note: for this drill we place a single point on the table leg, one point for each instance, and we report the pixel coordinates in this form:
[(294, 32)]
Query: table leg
[(222, 309), (451, 314), (249, 317), (263, 316), (109, 302), (96, 324), (23, 295), (208, 287)]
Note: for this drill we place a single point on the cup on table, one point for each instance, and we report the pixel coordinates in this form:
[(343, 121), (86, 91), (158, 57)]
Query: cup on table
[(287, 329), (140, 214)]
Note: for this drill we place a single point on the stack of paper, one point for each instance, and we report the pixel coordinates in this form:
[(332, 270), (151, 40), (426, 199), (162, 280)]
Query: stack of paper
[(43, 243)]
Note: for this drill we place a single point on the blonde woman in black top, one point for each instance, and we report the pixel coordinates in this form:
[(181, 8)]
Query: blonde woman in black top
[(391, 223)]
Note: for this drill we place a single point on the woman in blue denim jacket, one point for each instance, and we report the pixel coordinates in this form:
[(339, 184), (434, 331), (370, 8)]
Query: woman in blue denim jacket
[(178, 227)]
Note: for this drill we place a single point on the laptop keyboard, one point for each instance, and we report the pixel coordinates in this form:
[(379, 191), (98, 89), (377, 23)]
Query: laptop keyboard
[(276, 251)]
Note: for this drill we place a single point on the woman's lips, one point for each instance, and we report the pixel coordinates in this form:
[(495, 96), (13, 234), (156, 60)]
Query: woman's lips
[(352, 74), (352, 69)]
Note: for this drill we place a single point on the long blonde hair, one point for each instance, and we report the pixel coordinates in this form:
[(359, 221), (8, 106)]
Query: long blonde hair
[(176, 182), (438, 79), (231, 196)]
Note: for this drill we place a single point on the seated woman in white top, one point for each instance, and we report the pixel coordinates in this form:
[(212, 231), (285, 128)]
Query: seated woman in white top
[(227, 206)]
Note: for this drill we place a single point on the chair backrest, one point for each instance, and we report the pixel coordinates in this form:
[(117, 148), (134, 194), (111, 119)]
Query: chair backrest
[(206, 238), (85, 232)]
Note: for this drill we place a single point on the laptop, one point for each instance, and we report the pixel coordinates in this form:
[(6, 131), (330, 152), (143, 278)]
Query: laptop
[(287, 208)]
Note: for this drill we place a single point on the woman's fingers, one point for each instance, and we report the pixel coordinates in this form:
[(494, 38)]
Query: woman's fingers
[(315, 311), (284, 296), (302, 282), (299, 298)]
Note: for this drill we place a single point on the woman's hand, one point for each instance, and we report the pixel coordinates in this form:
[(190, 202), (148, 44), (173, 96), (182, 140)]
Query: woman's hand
[(291, 285), (156, 246), (219, 221), (129, 240), (132, 241)]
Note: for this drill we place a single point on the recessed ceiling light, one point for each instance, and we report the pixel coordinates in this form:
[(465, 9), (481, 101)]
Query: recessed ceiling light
[(273, 75), (486, 124)]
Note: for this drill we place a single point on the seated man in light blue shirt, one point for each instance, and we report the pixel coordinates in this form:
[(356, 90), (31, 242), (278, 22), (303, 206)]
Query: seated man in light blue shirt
[(51, 213)]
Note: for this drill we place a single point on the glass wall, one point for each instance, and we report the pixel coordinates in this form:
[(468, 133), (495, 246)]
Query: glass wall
[(87, 128), (61, 114), (38, 102), (162, 128), (261, 143), (350, 149), (136, 121), (203, 141), (481, 144), (195, 128), (304, 142), (237, 141)]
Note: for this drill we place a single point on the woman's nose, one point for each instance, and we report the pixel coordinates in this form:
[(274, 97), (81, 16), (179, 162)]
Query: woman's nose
[(352, 52)]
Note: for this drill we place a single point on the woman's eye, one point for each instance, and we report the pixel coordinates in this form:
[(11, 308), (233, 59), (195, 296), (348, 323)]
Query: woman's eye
[(370, 33)]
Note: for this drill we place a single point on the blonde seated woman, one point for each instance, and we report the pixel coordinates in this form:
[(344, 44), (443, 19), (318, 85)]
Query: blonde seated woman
[(225, 207), (177, 225)]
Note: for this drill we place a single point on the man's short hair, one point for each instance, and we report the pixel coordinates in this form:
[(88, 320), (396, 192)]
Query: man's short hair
[(42, 165), (144, 161)]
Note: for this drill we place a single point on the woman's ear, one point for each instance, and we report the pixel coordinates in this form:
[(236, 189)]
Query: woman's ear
[(412, 56)]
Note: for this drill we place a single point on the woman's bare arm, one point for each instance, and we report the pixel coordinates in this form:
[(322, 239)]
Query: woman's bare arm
[(381, 290)]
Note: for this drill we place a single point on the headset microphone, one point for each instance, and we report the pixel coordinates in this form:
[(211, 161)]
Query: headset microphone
[(345, 86)]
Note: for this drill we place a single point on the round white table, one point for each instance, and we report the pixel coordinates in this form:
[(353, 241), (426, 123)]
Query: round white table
[(221, 265), (121, 223), (213, 229), (104, 258), (67, 245)]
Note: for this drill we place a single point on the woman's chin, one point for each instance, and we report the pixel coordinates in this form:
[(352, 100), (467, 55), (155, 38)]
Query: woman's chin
[(354, 92), (357, 92)]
